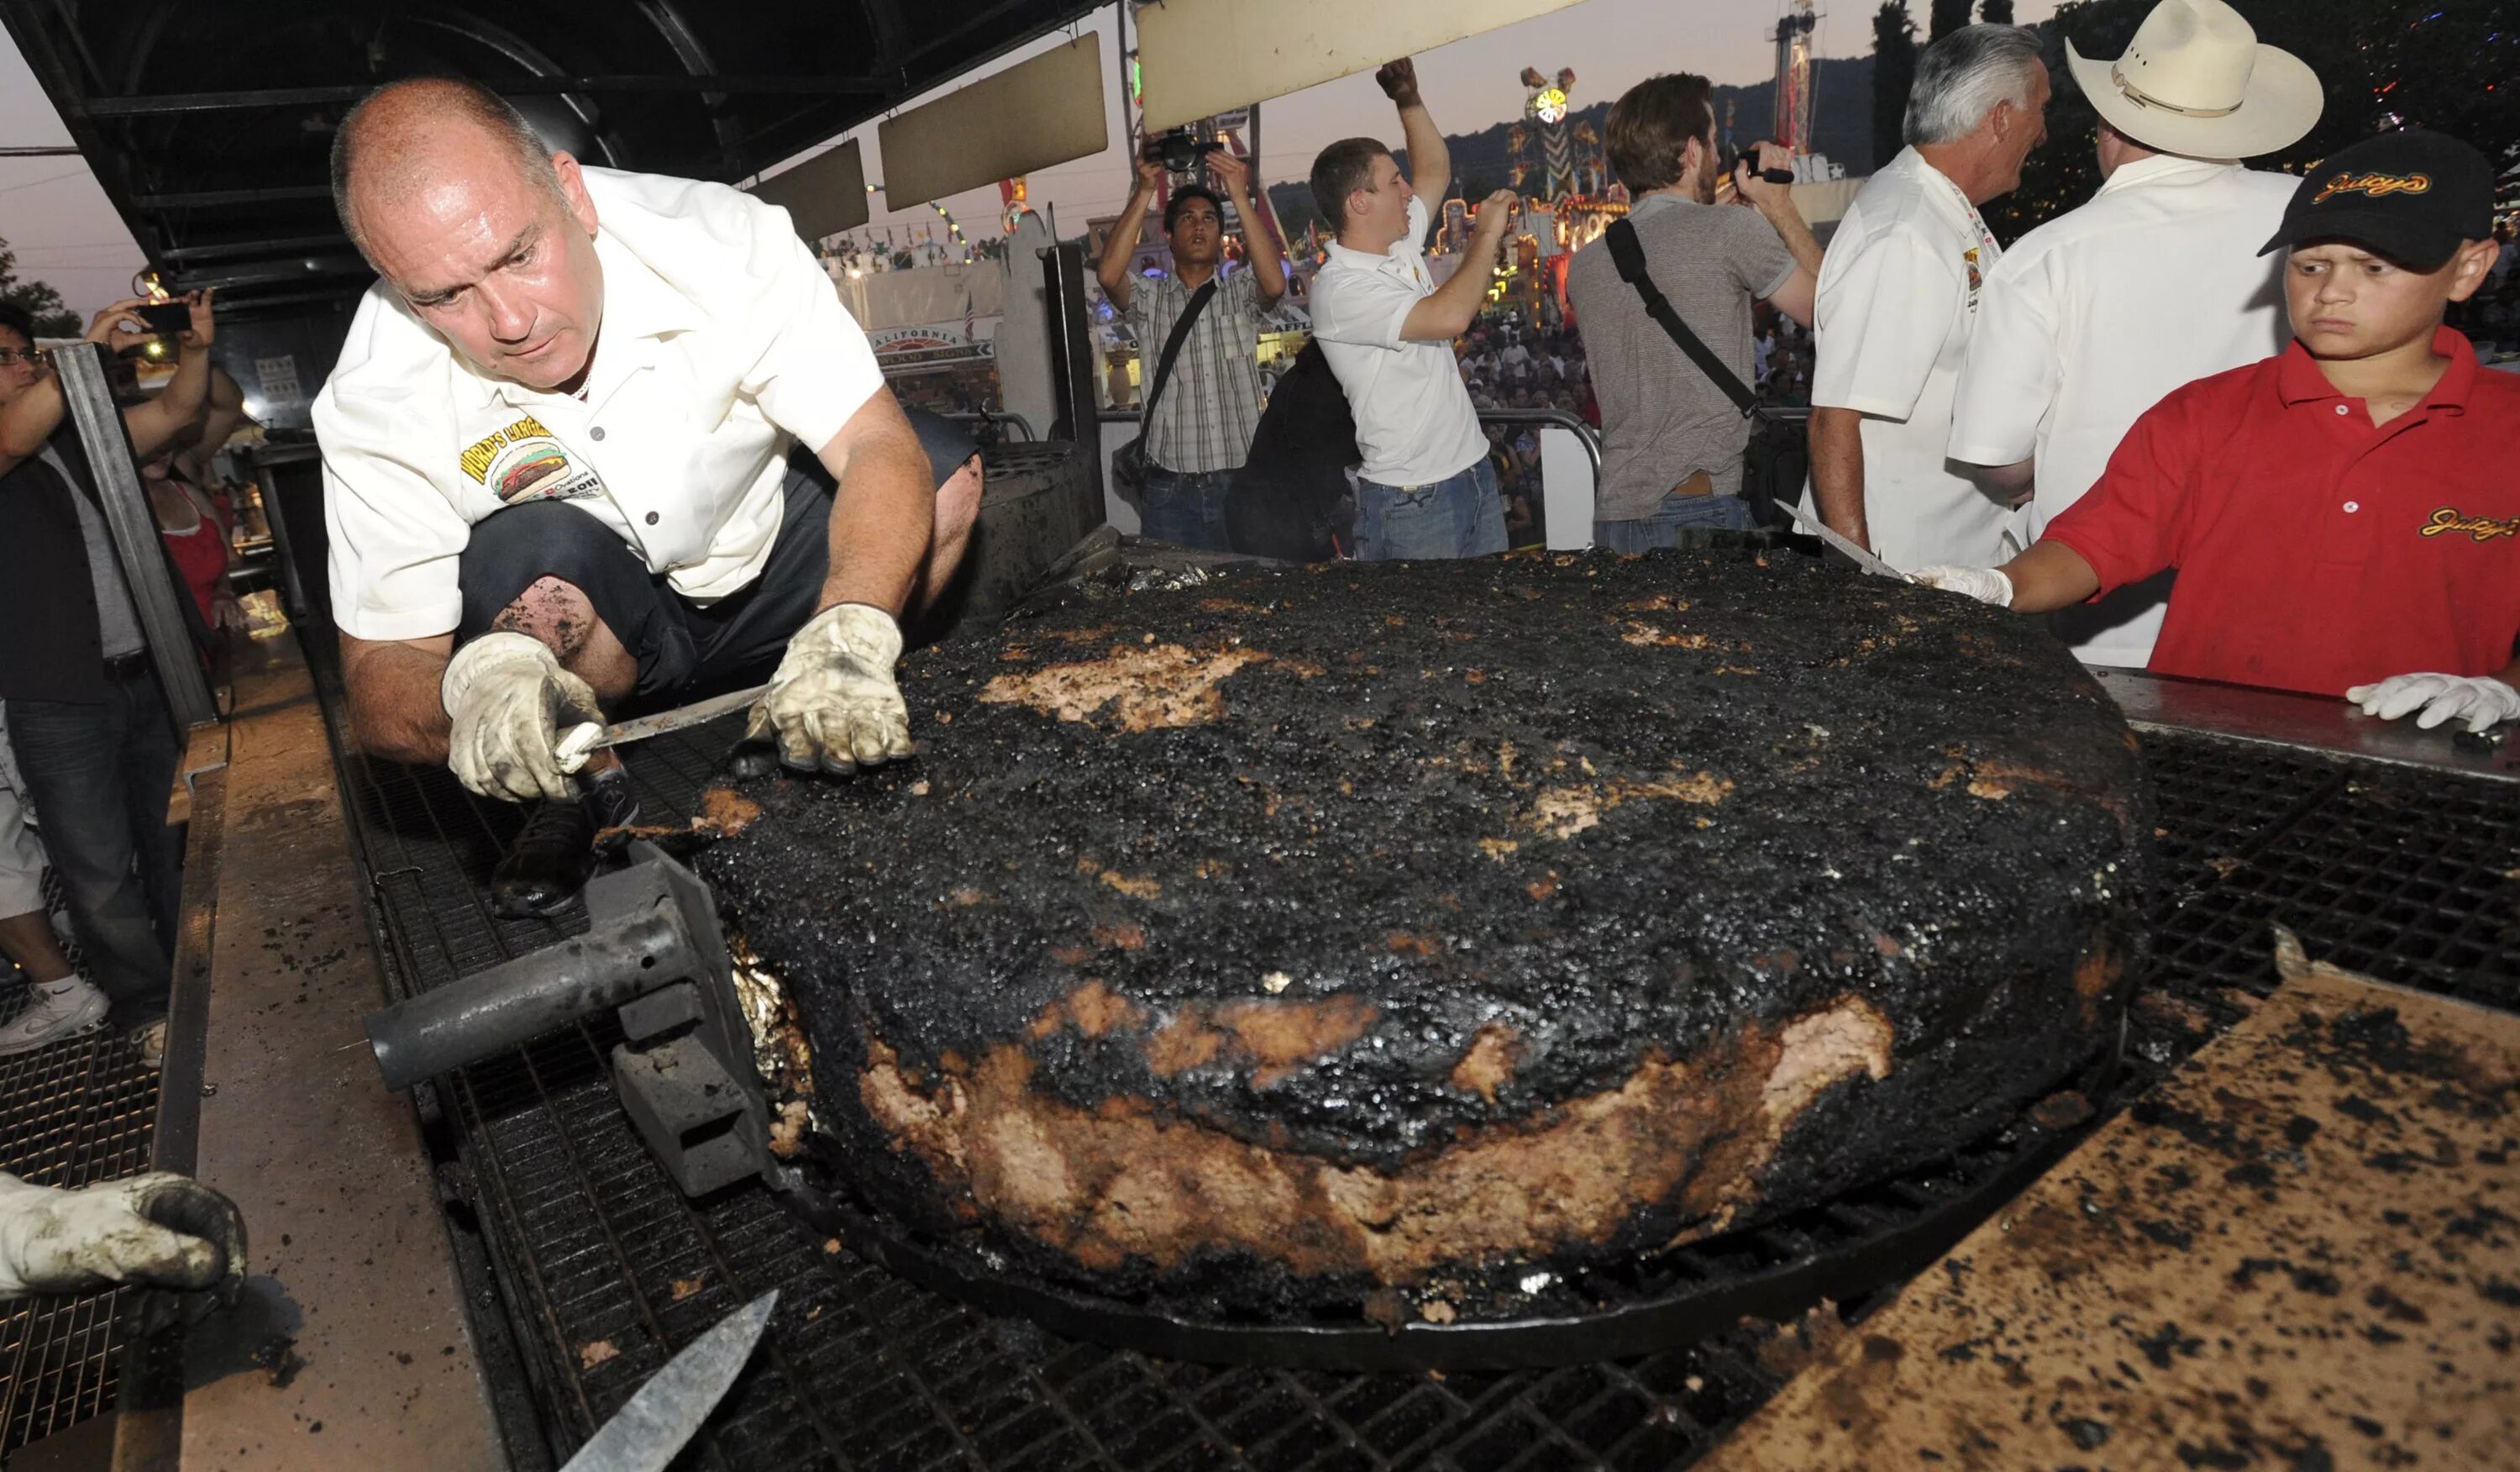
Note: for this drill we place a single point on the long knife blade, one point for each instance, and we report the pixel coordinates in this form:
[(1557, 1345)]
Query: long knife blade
[(644, 1435), (1863, 559), (577, 740)]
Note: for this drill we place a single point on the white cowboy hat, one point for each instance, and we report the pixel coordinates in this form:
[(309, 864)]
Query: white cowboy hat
[(2195, 80)]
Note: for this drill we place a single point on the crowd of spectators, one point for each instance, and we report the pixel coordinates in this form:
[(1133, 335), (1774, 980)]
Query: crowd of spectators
[(1510, 364)]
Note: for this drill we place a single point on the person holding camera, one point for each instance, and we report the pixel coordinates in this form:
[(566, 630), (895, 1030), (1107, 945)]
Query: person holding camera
[(86, 717), (1198, 344), (1425, 488), (1672, 434)]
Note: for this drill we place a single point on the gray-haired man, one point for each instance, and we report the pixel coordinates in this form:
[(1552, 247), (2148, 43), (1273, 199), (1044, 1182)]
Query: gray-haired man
[(1898, 291)]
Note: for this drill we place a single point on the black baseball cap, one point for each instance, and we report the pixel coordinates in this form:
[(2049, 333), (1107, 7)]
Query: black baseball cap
[(2412, 196)]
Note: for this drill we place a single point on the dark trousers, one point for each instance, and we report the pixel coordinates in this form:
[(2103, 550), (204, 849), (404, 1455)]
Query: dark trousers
[(100, 775)]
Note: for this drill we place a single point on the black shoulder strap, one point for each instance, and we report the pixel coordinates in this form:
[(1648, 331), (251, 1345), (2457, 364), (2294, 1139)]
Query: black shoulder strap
[(1629, 253), (1172, 348)]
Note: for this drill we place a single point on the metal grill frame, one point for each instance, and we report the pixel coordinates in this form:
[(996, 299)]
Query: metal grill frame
[(606, 1269)]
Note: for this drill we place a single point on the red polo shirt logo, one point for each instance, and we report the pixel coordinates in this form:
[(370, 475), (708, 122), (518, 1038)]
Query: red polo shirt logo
[(2484, 528)]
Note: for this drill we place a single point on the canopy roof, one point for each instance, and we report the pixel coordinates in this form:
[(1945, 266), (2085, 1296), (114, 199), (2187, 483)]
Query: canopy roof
[(211, 126)]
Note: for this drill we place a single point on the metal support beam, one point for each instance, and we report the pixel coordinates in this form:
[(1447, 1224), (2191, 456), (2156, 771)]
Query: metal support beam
[(227, 250), (208, 197), (134, 528), (163, 102), (1071, 361)]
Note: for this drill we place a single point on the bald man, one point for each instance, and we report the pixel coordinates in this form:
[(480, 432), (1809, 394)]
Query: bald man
[(597, 435)]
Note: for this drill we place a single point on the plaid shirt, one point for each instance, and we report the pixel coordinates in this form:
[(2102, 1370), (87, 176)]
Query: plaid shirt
[(1212, 403)]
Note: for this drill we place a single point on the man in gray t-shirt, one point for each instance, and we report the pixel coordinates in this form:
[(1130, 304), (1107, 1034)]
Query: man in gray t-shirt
[(1670, 439)]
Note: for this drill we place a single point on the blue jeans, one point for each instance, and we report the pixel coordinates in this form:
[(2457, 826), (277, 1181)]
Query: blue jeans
[(1663, 528), (99, 776), (1460, 515), (1186, 508)]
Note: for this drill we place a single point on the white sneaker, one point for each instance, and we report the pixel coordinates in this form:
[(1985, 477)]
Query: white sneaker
[(55, 1010)]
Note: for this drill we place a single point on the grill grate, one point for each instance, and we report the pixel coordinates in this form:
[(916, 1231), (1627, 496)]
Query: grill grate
[(606, 1269), (70, 1115)]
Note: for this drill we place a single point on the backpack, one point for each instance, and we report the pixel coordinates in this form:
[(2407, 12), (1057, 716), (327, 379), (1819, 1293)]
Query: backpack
[(1287, 500)]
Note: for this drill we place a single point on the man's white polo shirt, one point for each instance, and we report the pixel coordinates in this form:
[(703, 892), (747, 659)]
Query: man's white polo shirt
[(1415, 420), (723, 344), (1897, 292), (2090, 318)]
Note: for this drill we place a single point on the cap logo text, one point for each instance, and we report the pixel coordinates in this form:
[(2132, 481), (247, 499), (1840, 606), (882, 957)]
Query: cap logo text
[(2377, 186)]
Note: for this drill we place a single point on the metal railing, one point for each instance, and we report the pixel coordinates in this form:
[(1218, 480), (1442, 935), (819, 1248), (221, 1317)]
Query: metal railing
[(1585, 435), (986, 417)]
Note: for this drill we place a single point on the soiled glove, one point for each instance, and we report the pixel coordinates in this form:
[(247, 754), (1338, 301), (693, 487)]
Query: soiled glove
[(2479, 700), (159, 1228), (1985, 584), (510, 700), (833, 705)]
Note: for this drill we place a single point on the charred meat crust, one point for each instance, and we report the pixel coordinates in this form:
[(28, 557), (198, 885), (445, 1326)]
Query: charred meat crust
[(1440, 856)]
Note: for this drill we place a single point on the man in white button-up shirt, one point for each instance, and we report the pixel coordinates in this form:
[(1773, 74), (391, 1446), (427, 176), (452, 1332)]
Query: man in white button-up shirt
[(2091, 318), (1898, 291), (557, 454)]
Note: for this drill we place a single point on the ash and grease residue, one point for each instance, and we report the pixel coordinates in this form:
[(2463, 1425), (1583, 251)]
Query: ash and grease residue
[(2302, 1250), (1216, 975)]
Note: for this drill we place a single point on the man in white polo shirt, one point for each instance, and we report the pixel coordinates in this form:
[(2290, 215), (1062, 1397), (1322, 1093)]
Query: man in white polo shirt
[(558, 460), (1898, 291), (2157, 282), (1425, 488)]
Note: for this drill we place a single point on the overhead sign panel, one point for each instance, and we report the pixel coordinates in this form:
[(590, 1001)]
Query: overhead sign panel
[(825, 195), (1202, 57), (1043, 111)]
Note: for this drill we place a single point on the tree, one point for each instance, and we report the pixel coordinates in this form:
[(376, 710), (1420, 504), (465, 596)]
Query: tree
[(1994, 12), (1893, 71), (40, 300), (2444, 65), (1948, 15)]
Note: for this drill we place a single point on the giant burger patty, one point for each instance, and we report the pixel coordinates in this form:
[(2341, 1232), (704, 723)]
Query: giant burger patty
[(1388, 927)]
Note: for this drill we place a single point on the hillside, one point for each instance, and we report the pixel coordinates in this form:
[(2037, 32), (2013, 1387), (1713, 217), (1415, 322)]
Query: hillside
[(1841, 124)]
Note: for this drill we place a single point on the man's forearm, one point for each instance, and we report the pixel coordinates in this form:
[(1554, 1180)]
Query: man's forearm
[(881, 522), (153, 424), (1430, 163), (1113, 270), (1838, 472), (1260, 248), (396, 708), (1791, 228), (2014, 483), (2049, 577), (1450, 311)]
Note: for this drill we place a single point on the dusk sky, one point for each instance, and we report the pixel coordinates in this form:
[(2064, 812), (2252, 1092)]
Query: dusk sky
[(57, 221)]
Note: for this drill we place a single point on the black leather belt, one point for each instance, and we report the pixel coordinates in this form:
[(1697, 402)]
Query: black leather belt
[(126, 666)]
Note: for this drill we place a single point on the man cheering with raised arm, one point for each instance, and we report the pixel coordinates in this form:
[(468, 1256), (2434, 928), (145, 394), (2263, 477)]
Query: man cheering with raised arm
[(1426, 488), (595, 435), (1197, 434)]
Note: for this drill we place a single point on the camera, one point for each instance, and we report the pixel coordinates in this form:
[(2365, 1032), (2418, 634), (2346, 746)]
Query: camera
[(1731, 159), (1179, 149)]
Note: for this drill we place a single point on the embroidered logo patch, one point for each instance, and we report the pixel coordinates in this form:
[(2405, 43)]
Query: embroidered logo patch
[(523, 462), (2377, 186), (2447, 522)]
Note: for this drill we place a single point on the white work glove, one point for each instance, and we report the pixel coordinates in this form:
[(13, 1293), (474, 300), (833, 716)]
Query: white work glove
[(161, 1228), (1985, 584), (510, 700), (2479, 700), (833, 705)]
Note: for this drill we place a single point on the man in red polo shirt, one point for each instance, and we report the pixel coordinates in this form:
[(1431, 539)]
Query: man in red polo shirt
[(2348, 511)]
